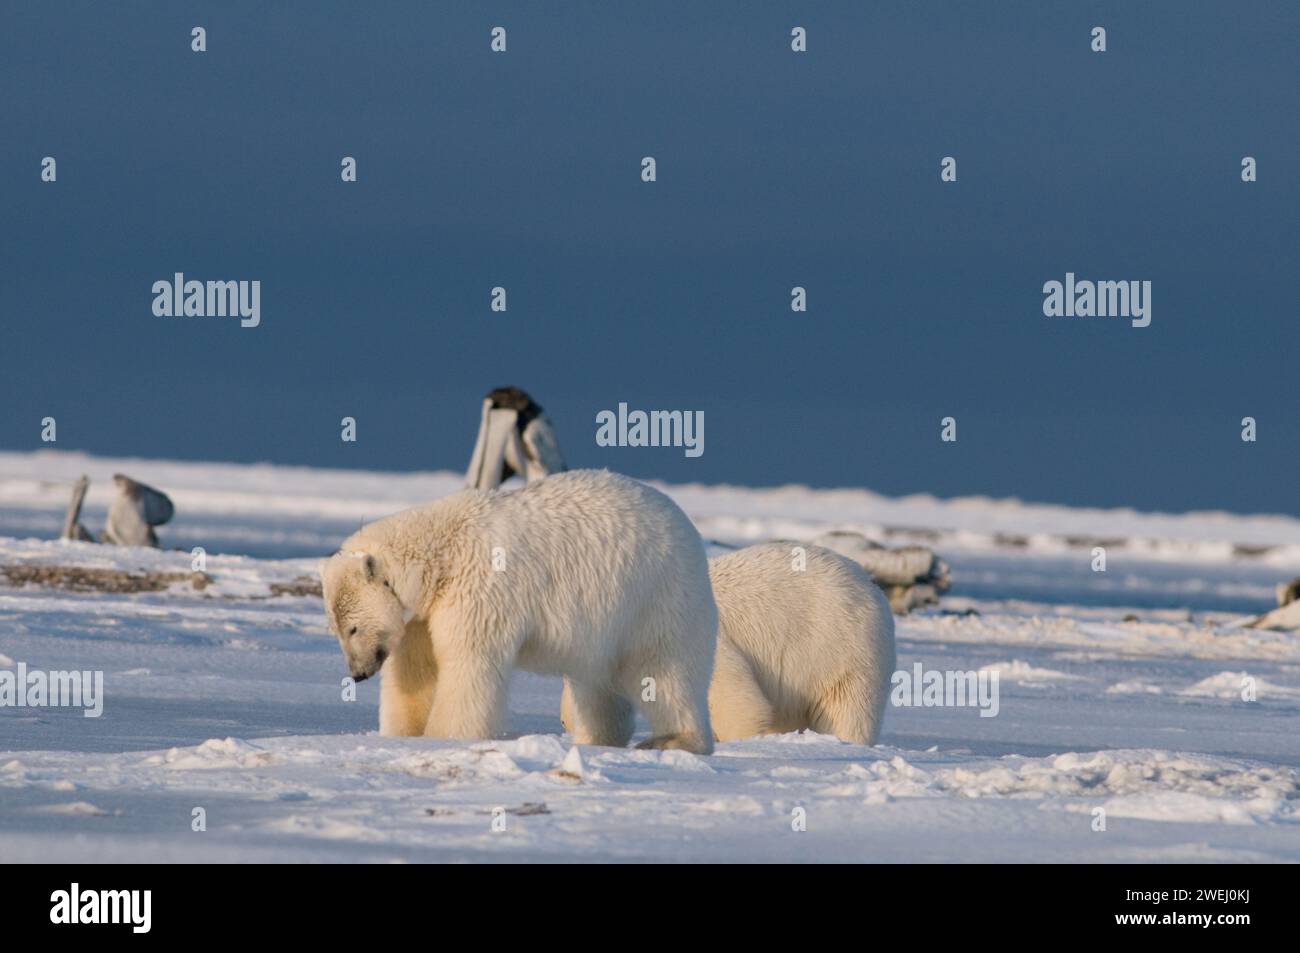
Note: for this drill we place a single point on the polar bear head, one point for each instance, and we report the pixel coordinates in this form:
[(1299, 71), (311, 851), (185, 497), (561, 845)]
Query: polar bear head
[(363, 610)]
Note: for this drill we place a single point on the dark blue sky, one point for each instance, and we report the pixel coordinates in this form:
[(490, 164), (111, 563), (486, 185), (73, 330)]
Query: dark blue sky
[(775, 169)]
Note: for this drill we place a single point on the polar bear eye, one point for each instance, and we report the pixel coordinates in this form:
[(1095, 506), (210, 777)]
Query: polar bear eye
[(352, 631)]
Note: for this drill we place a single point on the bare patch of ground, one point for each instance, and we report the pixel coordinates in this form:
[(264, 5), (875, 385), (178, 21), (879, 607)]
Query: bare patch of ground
[(87, 579)]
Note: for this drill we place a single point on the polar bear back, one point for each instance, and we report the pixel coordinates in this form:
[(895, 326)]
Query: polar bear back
[(607, 553), (806, 633)]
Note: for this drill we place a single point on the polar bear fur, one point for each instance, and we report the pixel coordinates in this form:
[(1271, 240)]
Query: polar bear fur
[(585, 574), (797, 648)]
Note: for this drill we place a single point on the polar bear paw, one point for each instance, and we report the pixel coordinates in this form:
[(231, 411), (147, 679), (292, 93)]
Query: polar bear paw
[(691, 743)]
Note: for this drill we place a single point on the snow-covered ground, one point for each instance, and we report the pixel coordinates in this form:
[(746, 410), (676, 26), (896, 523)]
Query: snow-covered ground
[(1120, 690)]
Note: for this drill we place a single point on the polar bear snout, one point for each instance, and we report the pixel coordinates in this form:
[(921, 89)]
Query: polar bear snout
[(365, 653), (360, 673), (365, 649)]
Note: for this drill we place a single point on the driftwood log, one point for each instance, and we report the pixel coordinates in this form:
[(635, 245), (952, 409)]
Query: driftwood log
[(72, 528), (136, 509), (911, 576), (514, 437), (134, 512)]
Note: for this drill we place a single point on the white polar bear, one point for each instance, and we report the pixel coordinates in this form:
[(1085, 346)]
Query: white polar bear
[(585, 574), (805, 640)]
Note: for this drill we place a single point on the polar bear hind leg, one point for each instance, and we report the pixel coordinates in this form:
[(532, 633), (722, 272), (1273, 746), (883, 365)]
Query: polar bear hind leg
[(674, 709), (845, 710), (595, 716)]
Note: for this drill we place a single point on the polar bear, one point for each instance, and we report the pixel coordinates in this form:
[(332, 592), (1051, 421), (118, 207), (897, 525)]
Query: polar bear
[(585, 574), (805, 640)]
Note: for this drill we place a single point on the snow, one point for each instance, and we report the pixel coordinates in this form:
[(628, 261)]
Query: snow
[(1120, 691), (1026, 674)]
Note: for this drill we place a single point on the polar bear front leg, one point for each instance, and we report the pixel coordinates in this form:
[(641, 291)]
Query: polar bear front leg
[(407, 683), (471, 697), (596, 717), (737, 706), (402, 712)]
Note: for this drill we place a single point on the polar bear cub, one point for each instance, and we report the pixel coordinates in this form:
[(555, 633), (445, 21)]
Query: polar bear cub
[(585, 574), (805, 640)]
